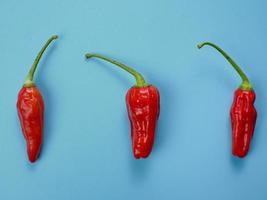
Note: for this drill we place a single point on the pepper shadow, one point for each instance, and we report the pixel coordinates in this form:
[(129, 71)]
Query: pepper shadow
[(237, 163), (49, 115), (140, 168), (260, 107), (164, 130)]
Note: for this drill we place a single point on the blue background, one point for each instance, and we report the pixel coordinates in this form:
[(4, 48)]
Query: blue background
[(87, 147)]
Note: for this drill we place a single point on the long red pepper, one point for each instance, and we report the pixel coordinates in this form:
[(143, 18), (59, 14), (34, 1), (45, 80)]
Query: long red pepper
[(243, 113), (30, 106), (143, 106)]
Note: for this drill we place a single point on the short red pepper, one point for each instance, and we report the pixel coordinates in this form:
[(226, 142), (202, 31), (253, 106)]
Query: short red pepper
[(30, 106), (243, 113), (143, 106)]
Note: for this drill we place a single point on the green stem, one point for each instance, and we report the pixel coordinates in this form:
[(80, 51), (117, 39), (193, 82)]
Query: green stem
[(140, 81), (29, 79), (246, 85)]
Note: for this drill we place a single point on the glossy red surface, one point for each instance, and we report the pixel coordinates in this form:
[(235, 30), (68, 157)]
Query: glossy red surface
[(143, 105), (243, 118), (30, 106)]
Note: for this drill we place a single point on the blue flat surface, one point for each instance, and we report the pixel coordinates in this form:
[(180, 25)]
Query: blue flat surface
[(87, 147)]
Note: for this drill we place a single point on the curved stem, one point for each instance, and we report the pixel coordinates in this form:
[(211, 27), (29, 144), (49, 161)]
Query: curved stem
[(246, 85), (29, 79), (140, 81)]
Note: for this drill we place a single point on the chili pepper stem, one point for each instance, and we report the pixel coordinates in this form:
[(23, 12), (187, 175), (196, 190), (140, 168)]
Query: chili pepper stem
[(140, 81), (245, 85), (29, 79)]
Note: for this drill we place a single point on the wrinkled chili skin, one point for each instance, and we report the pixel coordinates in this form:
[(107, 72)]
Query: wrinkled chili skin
[(30, 106), (243, 120), (143, 106)]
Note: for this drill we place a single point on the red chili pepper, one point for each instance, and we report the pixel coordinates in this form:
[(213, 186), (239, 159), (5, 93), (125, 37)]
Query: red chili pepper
[(30, 106), (243, 113), (143, 106)]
